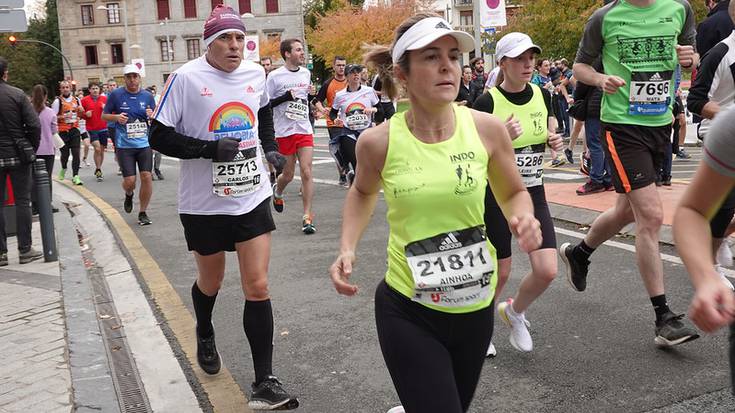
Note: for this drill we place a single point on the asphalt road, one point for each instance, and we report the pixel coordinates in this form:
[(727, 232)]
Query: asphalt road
[(593, 351)]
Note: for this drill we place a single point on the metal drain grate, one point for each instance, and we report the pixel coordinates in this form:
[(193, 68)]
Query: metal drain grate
[(125, 376)]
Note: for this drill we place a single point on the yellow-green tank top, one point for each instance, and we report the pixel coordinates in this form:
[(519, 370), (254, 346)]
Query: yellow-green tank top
[(435, 196)]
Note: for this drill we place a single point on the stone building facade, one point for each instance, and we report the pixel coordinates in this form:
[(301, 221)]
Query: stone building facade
[(93, 37)]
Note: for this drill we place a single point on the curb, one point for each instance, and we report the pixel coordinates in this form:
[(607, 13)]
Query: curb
[(584, 217), (93, 388)]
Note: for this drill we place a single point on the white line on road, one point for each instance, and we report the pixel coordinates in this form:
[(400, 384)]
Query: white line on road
[(631, 248)]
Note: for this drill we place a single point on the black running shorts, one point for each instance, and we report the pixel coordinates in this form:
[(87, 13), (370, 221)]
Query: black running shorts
[(636, 154), (497, 228), (129, 157), (210, 234)]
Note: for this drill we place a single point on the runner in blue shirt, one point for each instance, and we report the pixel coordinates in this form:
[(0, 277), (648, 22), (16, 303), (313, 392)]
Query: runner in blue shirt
[(130, 107)]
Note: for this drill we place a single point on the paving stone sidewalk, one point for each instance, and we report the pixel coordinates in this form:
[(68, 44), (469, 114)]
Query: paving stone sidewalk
[(36, 375)]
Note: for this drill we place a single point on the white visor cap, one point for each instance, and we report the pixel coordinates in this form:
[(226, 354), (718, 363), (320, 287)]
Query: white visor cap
[(513, 45), (427, 31)]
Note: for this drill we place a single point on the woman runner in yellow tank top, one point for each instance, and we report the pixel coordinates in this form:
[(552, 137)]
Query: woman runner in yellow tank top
[(433, 311), (525, 107)]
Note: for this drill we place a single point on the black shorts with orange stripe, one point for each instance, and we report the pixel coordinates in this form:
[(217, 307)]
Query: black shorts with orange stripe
[(635, 153)]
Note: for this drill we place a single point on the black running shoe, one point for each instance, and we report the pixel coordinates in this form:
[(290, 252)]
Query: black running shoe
[(671, 331), (207, 355), (569, 155), (158, 173), (143, 219), (270, 395), (351, 177), (128, 205), (576, 271)]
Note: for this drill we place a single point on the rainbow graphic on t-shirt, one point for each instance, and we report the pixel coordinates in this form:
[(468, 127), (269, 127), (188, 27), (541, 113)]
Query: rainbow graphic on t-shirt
[(233, 120), (355, 107), (230, 117)]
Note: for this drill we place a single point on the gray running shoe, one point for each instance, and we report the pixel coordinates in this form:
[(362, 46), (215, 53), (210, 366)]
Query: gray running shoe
[(672, 331), (30, 255), (270, 395)]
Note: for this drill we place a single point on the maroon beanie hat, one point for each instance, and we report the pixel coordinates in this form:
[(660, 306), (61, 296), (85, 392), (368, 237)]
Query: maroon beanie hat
[(222, 20)]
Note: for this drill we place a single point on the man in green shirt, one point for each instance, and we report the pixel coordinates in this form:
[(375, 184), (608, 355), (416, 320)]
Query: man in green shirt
[(641, 42)]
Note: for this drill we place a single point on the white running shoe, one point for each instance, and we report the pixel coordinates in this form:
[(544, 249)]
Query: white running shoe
[(520, 338), (397, 409), (721, 271), (724, 254), (491, 352)]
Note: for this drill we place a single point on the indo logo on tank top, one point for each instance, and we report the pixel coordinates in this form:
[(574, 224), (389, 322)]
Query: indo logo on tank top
[(242, 175), (466, 183)]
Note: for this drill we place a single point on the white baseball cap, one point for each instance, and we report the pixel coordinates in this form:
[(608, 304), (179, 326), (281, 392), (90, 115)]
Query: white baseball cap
[(425, 32), (131, 69), (514, 44)]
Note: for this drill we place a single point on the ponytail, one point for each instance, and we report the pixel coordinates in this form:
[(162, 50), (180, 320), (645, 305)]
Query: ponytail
[(378, 58)]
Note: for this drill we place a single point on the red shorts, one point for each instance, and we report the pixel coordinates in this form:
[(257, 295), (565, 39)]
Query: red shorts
[(288, 145)]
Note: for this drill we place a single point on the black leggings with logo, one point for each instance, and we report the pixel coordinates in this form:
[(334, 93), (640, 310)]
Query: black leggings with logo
[(434, 358)]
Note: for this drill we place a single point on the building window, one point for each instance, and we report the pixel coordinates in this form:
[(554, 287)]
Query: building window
[(465, 19), (116, 54), (91, 54), (273, 37), (113, 13), (193, 50), (245, 6), (215, 3), (271, 6), (87, 15), (163, 12), (166, 52), (190, 9)]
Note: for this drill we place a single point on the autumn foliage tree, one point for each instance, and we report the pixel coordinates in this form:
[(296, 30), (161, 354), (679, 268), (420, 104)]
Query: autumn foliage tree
[(343, 32), (270, 48)]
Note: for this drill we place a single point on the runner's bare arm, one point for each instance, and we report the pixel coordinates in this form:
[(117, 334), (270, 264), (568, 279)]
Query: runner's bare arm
[(371, 150), (506, 183), (713, 305)]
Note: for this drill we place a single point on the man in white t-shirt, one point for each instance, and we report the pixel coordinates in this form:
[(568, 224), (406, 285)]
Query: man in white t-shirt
[(288, 90), (214, 115)]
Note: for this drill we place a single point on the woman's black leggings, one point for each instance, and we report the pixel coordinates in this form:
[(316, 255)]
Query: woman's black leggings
[(347, 148), (434, 358)]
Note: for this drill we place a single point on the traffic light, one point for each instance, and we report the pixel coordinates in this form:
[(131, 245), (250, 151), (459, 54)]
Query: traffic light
[(13, 41)]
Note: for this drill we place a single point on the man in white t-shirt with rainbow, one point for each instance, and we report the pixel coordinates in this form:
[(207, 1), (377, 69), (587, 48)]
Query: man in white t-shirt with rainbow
[(214, 115)]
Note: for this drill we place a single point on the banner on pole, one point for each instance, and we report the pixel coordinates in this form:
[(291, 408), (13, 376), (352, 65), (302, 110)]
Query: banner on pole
[(492, 13), (141, 65), (252, 48)]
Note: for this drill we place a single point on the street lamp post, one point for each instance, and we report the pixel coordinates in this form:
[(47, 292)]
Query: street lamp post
[(168, 44)]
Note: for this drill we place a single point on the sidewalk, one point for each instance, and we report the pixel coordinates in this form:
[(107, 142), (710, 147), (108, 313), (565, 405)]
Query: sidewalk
[(567, 206), (63, 326), (36, 377)]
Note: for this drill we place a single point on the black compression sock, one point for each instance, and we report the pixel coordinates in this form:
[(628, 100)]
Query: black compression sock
[(203, 306), (660, 306), (257, 321), (582, 252)]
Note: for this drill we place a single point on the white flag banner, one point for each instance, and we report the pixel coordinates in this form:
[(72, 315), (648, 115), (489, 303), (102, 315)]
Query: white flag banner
[(492, 13), (252, 49), (141, 65)]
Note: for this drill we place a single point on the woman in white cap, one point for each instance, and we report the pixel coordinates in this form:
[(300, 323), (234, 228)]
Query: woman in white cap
[(526, 109), (353, 109), (434, 310)]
